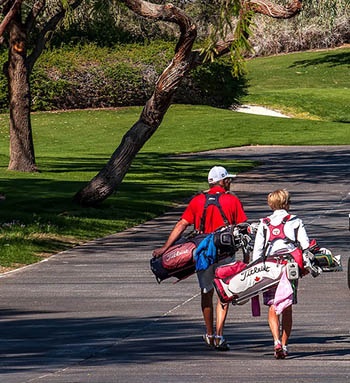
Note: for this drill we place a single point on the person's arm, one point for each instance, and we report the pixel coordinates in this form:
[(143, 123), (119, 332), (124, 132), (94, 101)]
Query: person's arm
[(178, 229), (303, 238), (259, 244)]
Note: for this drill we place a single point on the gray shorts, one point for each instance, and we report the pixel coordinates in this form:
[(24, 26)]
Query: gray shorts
[(206, 277)]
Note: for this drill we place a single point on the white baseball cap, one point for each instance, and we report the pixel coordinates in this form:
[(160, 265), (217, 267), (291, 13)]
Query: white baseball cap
[(218, 173)]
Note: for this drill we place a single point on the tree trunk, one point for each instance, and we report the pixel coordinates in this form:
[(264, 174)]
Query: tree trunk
[(107, 180), (111, 176), (22, 156)]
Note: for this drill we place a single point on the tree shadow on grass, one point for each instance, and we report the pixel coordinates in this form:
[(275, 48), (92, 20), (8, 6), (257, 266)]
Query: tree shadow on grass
[(151, 177), (39, 214), (331, 59)]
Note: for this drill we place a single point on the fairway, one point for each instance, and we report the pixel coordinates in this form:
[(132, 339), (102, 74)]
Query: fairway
[(313, 84)]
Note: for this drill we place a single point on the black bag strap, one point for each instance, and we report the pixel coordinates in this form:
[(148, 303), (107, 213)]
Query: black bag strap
[(212, 199)]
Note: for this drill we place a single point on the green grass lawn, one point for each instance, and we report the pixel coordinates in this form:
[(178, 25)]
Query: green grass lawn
[(37, 218), (310, 84)]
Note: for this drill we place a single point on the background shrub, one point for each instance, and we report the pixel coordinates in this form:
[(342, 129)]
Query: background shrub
[(90, 76), (108, 57), (321, 24)]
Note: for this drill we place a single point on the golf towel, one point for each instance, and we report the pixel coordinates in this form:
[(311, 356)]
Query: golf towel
[(205, 254)]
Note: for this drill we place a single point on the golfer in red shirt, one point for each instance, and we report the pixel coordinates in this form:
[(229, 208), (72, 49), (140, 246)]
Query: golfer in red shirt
[(219, 182)]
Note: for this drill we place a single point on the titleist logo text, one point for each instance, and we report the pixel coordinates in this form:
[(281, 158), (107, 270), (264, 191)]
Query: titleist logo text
[(257, 269), (176, 254)]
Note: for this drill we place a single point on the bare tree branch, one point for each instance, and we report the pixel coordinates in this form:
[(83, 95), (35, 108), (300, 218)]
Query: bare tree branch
[(2, 2), (274, 10), (265, 7), (49, 26), (9, 15), (33, 14)]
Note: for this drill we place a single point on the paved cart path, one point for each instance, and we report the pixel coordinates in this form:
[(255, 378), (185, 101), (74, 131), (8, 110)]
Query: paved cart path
[(96, 314)]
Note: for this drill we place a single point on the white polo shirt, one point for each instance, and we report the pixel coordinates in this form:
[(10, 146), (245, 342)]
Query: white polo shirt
[(292, 226)]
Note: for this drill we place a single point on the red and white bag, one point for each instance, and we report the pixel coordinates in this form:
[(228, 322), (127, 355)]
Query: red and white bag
[(178, 256), (247, 281), (177, 261)]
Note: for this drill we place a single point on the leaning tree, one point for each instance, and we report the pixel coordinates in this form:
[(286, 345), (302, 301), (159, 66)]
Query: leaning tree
[(232, 36)]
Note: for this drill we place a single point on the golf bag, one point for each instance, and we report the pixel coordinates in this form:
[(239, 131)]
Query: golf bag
[(179, 260), (237, 282)]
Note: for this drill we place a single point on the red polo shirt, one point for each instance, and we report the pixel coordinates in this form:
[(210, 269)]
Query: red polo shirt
[(230, 204)]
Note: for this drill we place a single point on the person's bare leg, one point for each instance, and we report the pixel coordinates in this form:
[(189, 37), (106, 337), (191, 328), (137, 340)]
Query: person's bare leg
[(274, 324), (287, 322), (207, 311), (221, 314)]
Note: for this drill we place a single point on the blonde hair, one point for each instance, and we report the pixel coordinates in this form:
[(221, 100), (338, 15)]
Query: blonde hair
[(279, 199)]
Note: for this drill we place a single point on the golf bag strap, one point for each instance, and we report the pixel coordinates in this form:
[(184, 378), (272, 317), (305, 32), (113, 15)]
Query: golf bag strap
[(212, 199), (283, 236)]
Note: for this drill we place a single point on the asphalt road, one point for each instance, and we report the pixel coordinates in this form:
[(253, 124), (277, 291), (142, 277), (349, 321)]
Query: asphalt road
[(96, 314)]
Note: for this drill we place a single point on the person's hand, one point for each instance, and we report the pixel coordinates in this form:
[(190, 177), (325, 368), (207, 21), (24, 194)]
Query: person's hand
[(158, 252)]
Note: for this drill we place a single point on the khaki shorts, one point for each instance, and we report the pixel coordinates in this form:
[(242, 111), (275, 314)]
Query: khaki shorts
[(206, 277)]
